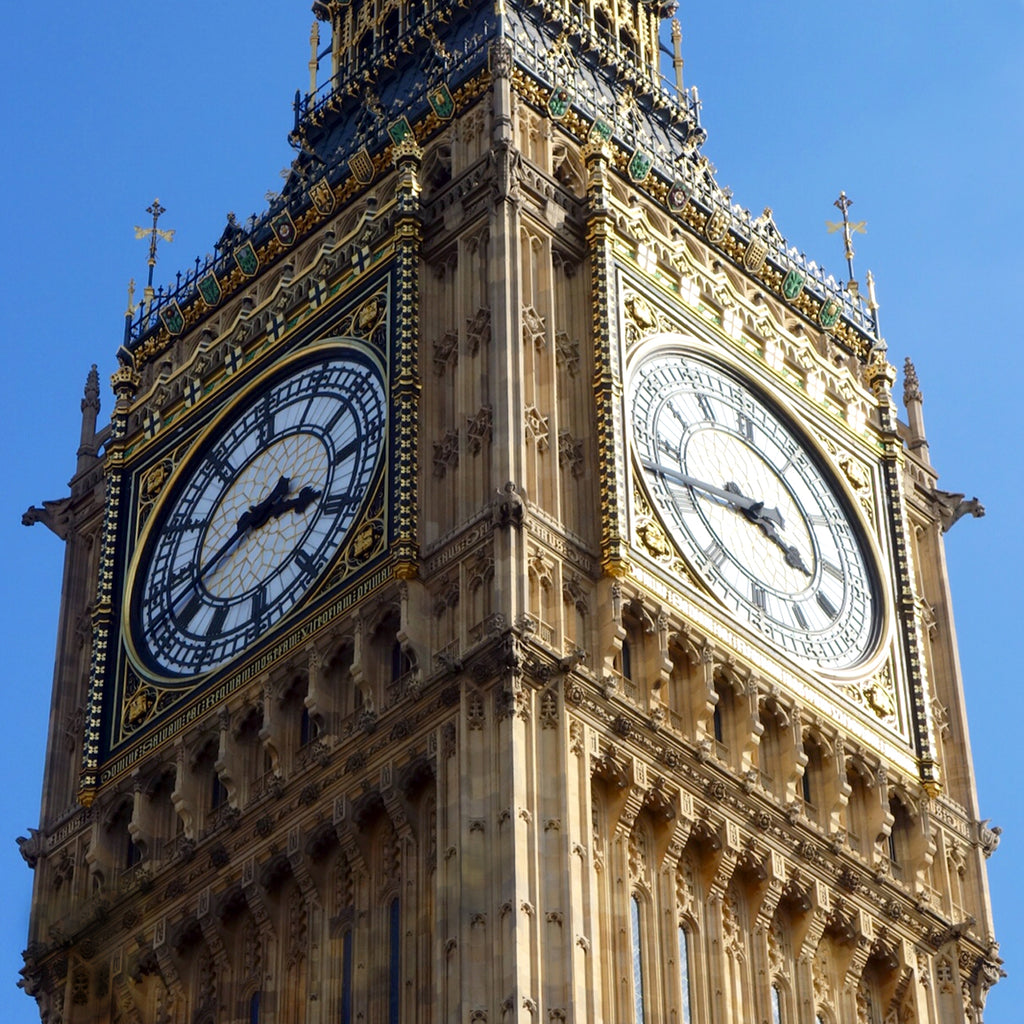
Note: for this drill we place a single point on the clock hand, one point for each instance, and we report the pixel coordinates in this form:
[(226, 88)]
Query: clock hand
[(299, 503), (272, 506), (767, 522), (754, 510), (251, 519)]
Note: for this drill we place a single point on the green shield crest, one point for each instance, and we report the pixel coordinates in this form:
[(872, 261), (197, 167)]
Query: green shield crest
[(441, 102), (639, 165), (247, 260), (558, 102), (209, 290), (793, 284), (172, 318)]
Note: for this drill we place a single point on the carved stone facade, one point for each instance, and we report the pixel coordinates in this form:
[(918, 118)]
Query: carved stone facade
[(514, 762)]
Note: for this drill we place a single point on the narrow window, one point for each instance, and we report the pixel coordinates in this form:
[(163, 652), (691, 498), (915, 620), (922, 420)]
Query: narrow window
[(218, 794), (627, 661), (346, 978), (776, 1005), (717, 721), (639, 1014), (394, 980), (306, 729), (684, 974), (254, 1008), (399, 662)]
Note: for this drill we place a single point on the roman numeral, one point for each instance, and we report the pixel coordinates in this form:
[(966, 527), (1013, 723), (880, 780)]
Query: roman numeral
[(677, 414), (265, 423), (715, 554), (350, 449), (683, 498), (826, 605), (798, 614), (759, 597), (339, 503), (188, 613), (183, 526), (305, 563), (221, 466), (746, 426), (705, 406), (834, 571), (217, 622)]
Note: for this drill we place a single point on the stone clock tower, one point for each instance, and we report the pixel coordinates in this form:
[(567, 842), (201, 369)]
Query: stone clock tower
[(504, 590)]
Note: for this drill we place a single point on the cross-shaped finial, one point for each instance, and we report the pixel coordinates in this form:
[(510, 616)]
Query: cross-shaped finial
[(844, 203), (154, 233)]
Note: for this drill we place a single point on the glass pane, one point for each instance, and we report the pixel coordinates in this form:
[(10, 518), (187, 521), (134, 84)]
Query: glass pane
[(394, 982), (684, 974), (639, 1014), (346, 978), (776, 1005)]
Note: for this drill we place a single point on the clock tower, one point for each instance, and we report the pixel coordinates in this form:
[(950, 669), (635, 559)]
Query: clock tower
[(505, 589)]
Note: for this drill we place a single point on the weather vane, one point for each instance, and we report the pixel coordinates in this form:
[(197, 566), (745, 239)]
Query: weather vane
[(154, 233), (848, 228)]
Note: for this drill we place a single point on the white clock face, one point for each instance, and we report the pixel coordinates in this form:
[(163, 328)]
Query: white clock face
[(254, 519), (749, 506)]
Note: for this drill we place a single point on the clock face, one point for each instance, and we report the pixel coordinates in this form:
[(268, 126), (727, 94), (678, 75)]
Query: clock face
[(750, 507), (255, 518)]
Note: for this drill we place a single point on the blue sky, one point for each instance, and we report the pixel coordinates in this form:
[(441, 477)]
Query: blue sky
[(913, 108)]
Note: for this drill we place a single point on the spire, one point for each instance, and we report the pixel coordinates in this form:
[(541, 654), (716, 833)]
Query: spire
[(913, 400), (87, 447)]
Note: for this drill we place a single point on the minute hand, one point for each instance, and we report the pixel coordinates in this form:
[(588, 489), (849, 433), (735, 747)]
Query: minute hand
[(740, 501)]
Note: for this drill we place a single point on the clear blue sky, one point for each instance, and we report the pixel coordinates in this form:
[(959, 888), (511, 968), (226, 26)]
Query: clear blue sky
[(912, 107)]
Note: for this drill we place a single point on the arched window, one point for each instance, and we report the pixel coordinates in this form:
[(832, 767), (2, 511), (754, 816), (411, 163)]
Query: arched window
[(639, 1009), (254, 1008), (394, 961), (776, 1005), (684, 975)]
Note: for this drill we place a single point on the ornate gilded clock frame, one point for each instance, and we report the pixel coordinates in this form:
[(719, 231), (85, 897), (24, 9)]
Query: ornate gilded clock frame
[(130, 713), (889, 718)]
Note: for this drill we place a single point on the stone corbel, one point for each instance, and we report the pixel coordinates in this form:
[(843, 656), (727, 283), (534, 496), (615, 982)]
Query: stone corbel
[(268, 733), (179, 796), (819, 901), (300, 867), (671, 840), (343, 826), (165, 958), (208, 924), (255, 898), (222, 766)]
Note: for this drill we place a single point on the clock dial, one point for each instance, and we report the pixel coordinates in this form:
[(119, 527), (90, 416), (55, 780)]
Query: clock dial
[(750, 506), (255, 518)]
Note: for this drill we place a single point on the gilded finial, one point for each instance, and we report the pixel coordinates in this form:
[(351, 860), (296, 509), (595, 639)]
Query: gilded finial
[(314, 57), (873, 302), (848, 228)]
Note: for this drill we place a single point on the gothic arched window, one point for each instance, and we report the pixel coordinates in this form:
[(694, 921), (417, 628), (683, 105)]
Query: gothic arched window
[(684, 975), (636, 931)]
